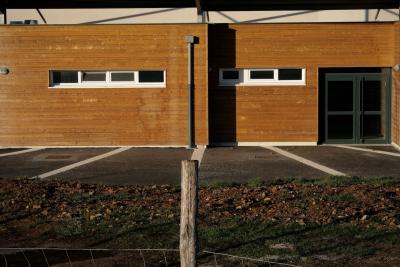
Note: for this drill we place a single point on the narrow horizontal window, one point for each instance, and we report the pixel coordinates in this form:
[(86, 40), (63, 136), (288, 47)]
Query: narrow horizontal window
[(122, 76), (62, 77), (261, 74), (91, 76), (151, 76), (230, 75), (290, 74), (107, 78), (262, 77)]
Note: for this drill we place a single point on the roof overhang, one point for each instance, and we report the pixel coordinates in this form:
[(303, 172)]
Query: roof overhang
[(211, 5)]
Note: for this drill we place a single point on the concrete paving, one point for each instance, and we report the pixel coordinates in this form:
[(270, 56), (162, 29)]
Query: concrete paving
[(352, 162), (31, 164), (242, 164), (381, 148), (134, 166), (9, 150), (162, 165)]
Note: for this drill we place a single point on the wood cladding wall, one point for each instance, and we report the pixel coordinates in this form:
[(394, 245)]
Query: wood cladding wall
[(285, 113), (32, 114), (396, 91)]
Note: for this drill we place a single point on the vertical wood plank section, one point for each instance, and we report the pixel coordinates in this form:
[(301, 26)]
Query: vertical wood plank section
[(40, 116), (189, 205)]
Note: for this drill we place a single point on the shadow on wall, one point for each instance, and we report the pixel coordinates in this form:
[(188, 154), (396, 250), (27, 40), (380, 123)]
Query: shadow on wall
[(222, 99)]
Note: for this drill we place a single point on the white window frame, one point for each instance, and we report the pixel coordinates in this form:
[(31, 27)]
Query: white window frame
[(248, 79), (135, 77), (150, 84), (301, 82), (94, 72), (107, 83), (63, 84), (245, 80)]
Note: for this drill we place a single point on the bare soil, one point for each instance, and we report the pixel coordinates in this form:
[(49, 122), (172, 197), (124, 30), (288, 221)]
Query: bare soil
[(354, 223)]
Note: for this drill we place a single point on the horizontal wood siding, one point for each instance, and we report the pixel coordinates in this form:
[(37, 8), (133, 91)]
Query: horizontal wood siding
[(285, 113), (396, 91), (32, 114)]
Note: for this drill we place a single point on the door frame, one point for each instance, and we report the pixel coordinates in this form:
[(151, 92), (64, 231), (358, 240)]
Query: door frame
[(357, 77)]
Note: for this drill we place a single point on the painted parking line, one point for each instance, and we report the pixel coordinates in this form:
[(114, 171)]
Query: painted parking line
[(198, 154), (369, 150), (305, 161), (81, 163), (20, 152)]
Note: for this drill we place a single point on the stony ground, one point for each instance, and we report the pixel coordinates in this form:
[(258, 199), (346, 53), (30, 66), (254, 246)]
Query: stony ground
[(307, 222)]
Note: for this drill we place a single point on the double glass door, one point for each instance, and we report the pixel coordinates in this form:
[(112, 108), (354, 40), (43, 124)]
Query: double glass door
[(357, 108)]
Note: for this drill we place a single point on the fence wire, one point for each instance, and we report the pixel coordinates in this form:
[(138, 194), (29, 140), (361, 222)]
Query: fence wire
[(212, 259), (243, 259)]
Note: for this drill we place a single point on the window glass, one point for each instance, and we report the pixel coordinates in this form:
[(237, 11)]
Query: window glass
[(340, 127), (107, 78), (230, 75), (340, 95), (122, 77), (290, 74), (65, 77), (151, 76), (93, 76), (261, 74)]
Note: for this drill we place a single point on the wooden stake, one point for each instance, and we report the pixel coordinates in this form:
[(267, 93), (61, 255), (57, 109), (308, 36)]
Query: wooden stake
[(189, 204)]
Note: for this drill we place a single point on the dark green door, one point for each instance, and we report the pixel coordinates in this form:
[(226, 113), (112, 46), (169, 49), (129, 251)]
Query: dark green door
[(357, 108)]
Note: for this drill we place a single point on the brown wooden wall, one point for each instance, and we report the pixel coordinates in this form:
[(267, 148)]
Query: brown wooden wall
[(285, 113), (32, 114), (396, 91)]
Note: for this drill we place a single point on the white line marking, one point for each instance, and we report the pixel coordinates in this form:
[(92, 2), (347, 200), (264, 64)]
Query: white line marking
[(277, 144), (80, 163), (101, 146), (394, 154), (306, 161), (396, 146), (198, 154), (20, 152)]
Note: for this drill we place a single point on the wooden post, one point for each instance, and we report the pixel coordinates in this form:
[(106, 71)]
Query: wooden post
[(189, 204)]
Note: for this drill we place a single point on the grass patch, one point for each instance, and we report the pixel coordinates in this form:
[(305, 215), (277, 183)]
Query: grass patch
[(345, 180), (255, 182), (339, 242), (219, 184), (329, 181)]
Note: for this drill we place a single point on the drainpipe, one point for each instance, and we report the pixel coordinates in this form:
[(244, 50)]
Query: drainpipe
[(190, 40)]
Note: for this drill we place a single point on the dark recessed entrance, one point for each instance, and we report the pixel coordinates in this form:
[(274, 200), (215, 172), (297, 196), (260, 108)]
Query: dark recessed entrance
[(355, 106)]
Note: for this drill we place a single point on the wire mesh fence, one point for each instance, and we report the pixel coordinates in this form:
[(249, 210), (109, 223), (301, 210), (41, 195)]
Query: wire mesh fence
[(101, 257)]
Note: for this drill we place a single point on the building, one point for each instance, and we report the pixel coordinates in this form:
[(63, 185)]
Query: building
[(310, 77)]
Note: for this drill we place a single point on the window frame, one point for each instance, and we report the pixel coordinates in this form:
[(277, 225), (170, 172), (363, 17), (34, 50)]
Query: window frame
[(229, 82), (303, 74), (81, 73), (151, 83), (245, 79), (248, 79), (135, 77), (51, 82), (108, 83)]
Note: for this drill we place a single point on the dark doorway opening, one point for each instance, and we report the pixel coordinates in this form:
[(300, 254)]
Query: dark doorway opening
[(354, 105), (222, 99)]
